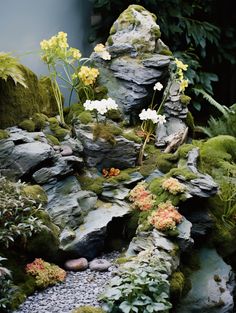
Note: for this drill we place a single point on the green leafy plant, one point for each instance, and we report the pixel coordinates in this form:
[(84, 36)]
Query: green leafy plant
[(18, 213), (45, 274), (10, 68), (140, 288), (5, 287)]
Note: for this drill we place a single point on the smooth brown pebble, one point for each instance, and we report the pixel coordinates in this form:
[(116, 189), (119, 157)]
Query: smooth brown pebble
[(80, 264)]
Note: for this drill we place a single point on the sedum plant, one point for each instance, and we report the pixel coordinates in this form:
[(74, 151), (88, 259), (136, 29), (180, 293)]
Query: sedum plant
[(10, 68), (18, 213), (45, 274)]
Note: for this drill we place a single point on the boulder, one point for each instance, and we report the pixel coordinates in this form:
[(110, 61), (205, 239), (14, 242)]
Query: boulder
[(80, 264), (99, 265), (91, 235), (102, 154), (18, 103), (67, 203), (212, 286)]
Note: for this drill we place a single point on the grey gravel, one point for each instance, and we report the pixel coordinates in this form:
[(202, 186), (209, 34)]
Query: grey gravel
[(79, 288)]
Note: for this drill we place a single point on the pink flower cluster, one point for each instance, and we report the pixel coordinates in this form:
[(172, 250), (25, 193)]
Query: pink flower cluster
[(166, 217), (173, 186), (142, 199)]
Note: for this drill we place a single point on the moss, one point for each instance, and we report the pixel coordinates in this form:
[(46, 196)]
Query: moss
[(184, 150), (123, 260), (36, 193), (114, 115), (3, 134), (155, 186), (123, 176), (53, 140), (88, 309), (49, 107), (185, 100), (177, 283), (187, 174), (143, 221), (53, 122), (93, 184), (28, 125), (61, 133), (155, 31), (18, 103), (112, 30), (107, 132), (190, 123), (39, 120), (74, 111), (110, 41), (132, 136), (166, 51), (100, 92), (85, 117)]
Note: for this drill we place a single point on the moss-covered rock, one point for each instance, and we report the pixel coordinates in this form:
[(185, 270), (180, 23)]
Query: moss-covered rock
[(18, 103), (35, 192), (58, 132), (185, 100), (3, 134), (107, 132), (130, 135), (184, 150), (28, 125), (93, 184), (88, 309), (181, 171)]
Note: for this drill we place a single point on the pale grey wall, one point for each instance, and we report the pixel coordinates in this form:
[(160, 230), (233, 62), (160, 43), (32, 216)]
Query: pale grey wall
[(24, 23)]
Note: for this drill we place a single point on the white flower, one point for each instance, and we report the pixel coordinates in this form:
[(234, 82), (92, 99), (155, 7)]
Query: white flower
[(101, 106), (158, 86), (161, 119), (100, 49), (105, 55)]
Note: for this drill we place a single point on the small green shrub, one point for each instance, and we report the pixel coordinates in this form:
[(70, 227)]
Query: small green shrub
[(17, 213)]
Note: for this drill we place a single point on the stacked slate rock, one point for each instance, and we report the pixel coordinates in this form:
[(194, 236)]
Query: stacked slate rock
[(137, 62)]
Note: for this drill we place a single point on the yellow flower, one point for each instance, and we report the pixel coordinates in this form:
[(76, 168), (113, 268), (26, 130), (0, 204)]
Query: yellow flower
[(181, 65), (75, 53), (62, 35), (183, 85), (99, 47), (44, 45), (180, 74), (88, 75)]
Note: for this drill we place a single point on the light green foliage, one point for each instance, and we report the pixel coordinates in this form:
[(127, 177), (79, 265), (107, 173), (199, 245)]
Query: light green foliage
[(10, 68), (85, 117), (3, 134), (107, 132), (88, 309), (28, 125), (18, 214), (139, 288)]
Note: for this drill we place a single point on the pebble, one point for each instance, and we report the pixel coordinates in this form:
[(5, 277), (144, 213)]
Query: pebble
[(100, 265), (80, 264), (79, 288)]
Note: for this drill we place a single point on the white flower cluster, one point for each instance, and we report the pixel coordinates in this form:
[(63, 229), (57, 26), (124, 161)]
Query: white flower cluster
[(100, 49), (158, 86), (101, 106), (153, 116)]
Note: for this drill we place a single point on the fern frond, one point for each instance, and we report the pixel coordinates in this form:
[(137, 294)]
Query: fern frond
[(9, 67), (223, 109)]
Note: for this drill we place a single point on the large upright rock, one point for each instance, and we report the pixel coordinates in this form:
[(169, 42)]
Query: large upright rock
[(137, 59), (18, 103)]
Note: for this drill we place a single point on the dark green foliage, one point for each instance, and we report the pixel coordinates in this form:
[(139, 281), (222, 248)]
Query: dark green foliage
[(18, 214), (6, 286)]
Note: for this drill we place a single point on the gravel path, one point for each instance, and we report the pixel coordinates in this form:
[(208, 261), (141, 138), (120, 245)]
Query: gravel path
[(80, 288)]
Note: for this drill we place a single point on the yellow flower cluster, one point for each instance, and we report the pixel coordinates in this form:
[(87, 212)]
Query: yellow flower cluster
[(87, 75), (173, 186), (100, 49), (57, 48), (180, 68)]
